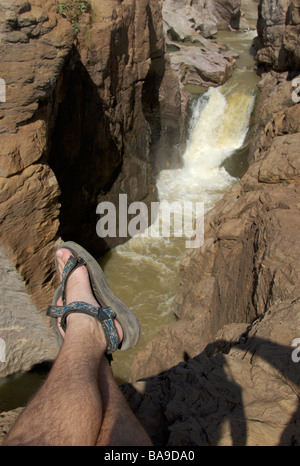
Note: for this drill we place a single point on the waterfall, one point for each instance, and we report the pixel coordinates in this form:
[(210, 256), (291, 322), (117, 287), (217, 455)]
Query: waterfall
[(143, 271), (218, 127)]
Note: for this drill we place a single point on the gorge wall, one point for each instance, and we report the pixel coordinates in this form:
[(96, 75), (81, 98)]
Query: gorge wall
[(76, 126), (87, 116), (278, 35), (223, 373)]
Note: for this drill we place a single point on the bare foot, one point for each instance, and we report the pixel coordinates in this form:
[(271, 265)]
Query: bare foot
[(79, 289)]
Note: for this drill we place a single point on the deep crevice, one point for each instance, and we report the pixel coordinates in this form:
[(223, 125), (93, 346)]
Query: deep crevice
[(82, 155)]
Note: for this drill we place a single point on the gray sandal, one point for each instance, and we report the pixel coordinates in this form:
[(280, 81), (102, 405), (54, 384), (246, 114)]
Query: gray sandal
[(110, 306)]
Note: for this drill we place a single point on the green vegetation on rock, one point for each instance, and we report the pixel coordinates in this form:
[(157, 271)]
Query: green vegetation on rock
[(73, 9)]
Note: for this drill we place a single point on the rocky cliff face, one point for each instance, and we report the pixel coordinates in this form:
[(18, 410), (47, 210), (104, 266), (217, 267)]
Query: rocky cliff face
[(79, 125), (87, 116), (278, 35), (227, 372)]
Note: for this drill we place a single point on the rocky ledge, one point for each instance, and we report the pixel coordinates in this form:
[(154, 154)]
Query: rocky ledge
[(72, 99), (195, 56)]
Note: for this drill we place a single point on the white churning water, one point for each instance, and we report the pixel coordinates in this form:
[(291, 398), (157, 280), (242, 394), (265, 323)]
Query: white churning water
[(218, 128)]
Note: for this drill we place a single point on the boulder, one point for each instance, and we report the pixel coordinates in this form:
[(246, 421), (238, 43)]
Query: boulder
[(188, 20), (208, 65)]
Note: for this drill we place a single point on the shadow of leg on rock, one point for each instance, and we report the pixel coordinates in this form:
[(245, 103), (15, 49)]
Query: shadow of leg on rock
[(245, 396)]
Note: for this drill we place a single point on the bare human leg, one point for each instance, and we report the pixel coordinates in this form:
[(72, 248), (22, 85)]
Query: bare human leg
[(80, 396), (120, 427)]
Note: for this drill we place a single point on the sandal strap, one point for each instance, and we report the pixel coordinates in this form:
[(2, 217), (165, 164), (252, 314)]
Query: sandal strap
[(104, 315), (72, 264)]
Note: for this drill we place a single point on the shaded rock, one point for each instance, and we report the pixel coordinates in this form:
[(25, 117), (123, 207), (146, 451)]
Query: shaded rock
[(243, 390), (27, 337)]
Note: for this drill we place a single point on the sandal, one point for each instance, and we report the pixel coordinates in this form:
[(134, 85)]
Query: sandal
[(110, 306)]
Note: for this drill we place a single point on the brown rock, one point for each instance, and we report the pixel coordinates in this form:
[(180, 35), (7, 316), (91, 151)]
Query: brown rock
[(278, 35), (208, 65), (7, 419), (243, 390), (285, 164)]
